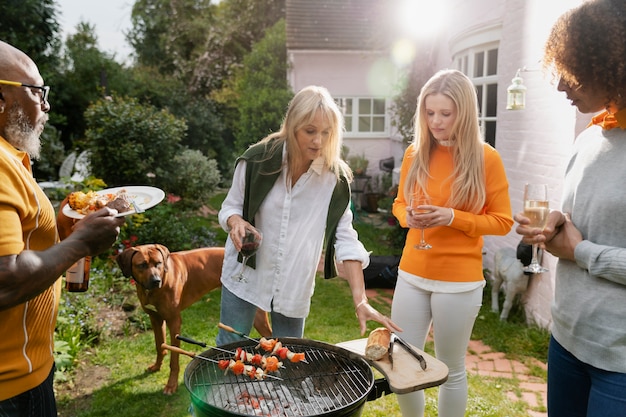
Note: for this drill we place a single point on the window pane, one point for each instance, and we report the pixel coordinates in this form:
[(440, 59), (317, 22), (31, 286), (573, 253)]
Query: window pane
[(490, 133), (378, 124), (479, 94), (492, 62), (365, 106), (364, 124), (479, 64), (348, 121), (492, 99), (379, 106), (348, 106)]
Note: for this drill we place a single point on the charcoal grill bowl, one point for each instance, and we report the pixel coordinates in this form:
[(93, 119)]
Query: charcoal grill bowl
[(352, 409)]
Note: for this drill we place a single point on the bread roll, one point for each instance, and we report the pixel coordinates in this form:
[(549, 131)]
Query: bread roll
[(377, 343)]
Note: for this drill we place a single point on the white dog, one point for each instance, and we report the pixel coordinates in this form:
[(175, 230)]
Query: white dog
[(509, 275)]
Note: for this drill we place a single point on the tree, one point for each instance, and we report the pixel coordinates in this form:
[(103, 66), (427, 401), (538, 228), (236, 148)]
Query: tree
[(262, 92), (85, 75), (32, 26), (167, 34), (405, 103), (238, 24)]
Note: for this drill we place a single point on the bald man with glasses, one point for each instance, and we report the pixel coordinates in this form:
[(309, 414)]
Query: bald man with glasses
[(32, 259)]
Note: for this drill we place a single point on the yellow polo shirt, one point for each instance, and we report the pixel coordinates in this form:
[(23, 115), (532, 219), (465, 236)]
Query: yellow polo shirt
[(27, 221)]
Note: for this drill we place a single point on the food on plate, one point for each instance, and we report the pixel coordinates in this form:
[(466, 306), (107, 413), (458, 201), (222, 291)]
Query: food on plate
[(85, 203), (377, 343)]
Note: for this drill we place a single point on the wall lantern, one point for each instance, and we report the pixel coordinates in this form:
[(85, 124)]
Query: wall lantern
[(516, 93)]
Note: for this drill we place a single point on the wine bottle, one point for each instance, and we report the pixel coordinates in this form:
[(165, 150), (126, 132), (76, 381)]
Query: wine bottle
[(77, 277)]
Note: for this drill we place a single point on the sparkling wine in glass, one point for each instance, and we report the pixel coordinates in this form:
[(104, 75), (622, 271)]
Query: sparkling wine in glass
[(537, 209), (418, 200), (249, 245)]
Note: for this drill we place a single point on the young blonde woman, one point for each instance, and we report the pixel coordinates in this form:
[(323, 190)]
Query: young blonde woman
[(465, 181), (294, 187)]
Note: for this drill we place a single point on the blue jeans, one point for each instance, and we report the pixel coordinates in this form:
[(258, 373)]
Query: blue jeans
[(37, 402), (576, 389), (239, 315)]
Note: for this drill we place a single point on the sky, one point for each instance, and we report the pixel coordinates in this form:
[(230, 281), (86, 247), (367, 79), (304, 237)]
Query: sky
[(110, 17)]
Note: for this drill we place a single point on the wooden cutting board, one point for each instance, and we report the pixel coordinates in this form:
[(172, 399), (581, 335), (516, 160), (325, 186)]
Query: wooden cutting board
[(406, 375)]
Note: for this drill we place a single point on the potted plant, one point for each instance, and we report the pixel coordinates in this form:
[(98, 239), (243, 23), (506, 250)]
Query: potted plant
[(358, 164), (373, 194)]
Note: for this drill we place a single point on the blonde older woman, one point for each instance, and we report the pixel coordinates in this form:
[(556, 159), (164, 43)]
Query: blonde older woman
[(294, 187)]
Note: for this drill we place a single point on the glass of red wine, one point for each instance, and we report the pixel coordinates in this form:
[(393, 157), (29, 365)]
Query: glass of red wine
[(249, 245)]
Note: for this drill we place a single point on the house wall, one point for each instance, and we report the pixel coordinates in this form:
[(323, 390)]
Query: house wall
[(534, 143), (352, 73)]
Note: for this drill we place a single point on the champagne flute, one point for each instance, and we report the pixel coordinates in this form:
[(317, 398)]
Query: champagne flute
[(536, 208), (416, 201), (249, 245)]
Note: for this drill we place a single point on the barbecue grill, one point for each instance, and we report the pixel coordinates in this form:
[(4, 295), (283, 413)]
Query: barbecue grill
[(332, 382)]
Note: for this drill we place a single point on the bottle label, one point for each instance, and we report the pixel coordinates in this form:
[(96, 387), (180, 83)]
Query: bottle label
[(76, 273)]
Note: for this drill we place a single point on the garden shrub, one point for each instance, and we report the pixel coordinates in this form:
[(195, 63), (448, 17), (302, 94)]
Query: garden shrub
[(132, 143), (196, 177), (168, 225)]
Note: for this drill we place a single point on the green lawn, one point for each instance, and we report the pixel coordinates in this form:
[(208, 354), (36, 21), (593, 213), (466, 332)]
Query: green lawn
[(111, 379)]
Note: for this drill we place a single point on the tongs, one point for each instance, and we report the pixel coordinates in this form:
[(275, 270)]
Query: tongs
[(408, 348)]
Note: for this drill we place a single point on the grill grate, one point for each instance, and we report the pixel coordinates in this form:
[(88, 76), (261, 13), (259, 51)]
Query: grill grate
[(332, 379)]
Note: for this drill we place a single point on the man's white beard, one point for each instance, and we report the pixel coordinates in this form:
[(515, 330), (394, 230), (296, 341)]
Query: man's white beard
[(21, 134)]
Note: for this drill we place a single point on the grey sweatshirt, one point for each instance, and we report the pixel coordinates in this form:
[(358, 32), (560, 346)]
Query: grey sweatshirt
[(589, 312)]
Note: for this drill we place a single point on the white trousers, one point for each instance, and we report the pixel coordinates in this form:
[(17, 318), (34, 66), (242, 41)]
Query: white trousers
[(452, 316)]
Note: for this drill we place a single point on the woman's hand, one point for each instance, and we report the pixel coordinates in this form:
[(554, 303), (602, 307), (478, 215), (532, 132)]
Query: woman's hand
[(564, 242), (238, 227), (365, 312), (535, 235), (428, 216)]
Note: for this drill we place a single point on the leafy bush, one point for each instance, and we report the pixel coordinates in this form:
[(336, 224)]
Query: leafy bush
[(168, 225), (132, 143), (196, 177)]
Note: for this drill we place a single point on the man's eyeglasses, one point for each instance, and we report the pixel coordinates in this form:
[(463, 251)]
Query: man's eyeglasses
[(45, 90)]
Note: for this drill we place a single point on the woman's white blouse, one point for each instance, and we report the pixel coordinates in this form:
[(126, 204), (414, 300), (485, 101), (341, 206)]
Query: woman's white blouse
[(293, 223)]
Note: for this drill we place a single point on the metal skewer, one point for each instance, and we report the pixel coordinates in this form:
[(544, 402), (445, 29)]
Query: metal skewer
[(195, 342), (193, 355), (237, 332)]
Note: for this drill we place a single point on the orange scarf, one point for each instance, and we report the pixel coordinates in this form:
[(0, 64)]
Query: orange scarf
[(609, 121)]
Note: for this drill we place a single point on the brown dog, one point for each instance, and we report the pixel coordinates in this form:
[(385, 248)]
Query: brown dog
[(167, 283)]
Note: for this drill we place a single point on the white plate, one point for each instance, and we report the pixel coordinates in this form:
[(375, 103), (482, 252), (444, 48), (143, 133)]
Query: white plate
[(145, 197)]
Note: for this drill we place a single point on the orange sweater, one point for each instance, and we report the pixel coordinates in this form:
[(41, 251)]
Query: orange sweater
[(456, 254)]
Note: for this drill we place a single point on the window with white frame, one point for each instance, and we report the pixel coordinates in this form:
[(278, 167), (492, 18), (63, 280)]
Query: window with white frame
[(480, 63), (364, 116)]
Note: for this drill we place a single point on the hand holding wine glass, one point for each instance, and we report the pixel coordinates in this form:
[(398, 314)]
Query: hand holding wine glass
[(249, 245), (536, 209), (418, 200)]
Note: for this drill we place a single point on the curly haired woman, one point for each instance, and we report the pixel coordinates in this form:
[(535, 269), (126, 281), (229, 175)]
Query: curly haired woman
[(587, 354)]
